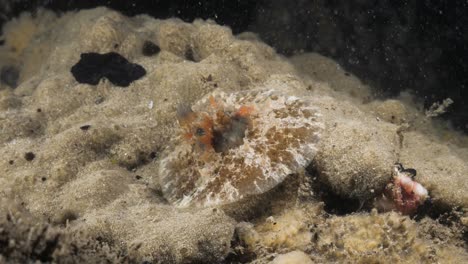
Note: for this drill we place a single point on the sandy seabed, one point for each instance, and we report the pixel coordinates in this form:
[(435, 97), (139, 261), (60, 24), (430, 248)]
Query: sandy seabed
[(80, 163)]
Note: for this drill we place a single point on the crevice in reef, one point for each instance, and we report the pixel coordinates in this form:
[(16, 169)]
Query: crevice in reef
[(334, 203), (281, 196)]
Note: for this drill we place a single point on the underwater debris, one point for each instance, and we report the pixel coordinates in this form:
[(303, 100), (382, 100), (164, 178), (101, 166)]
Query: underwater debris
[(437, 109), (403, 194), (235, 145), (94, 66)]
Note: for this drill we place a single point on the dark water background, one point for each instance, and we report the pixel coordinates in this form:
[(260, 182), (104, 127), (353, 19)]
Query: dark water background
[(391, 45)]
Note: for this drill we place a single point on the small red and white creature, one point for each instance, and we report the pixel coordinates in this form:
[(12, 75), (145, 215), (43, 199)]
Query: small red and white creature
[(403, 194)]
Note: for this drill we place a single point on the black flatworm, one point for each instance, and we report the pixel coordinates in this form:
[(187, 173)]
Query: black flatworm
[(113, 66)]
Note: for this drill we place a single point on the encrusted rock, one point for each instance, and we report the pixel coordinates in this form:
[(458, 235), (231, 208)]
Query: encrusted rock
[(355, 157)]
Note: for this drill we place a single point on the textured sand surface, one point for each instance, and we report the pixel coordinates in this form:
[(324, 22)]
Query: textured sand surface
[(85, 158)]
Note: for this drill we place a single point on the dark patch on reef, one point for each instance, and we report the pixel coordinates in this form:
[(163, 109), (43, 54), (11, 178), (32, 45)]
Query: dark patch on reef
[(92, 67), (150, 49), (189, 54), (29, 156), (337, 205), (85, 127), (9, 75)]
